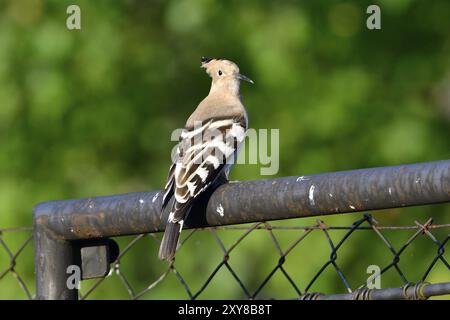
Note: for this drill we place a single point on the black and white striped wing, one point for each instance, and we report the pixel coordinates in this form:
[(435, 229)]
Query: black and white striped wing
[(203, 153)]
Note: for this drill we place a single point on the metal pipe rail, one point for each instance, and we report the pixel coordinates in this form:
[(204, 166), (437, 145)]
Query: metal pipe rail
[(59, 226), (419, 291)]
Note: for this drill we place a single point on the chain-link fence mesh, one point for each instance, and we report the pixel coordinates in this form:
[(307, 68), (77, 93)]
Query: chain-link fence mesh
[(9, 256), (335, 237)]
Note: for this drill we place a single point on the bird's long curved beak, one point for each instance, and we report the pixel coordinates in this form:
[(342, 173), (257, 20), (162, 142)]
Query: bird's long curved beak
[(245, 78)]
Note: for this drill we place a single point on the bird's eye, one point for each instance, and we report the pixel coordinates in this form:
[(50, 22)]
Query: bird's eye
[(219, 72)]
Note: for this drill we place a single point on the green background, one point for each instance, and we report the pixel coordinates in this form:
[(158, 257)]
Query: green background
[(90, 112)]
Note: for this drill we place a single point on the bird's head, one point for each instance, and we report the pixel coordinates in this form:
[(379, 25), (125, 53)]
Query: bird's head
[(223, 71)]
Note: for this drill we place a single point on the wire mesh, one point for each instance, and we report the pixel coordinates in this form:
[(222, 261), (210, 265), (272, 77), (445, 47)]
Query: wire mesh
[(366, 223), (12, 256), (302, 287)]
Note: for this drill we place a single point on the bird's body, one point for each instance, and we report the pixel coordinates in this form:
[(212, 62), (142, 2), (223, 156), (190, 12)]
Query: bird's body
[(207, 148)]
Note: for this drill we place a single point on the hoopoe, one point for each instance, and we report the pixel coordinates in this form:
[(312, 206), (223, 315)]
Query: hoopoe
[(207, 148)]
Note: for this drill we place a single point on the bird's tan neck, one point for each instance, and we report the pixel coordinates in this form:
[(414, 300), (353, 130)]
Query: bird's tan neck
[(225, 87), (219, 104)]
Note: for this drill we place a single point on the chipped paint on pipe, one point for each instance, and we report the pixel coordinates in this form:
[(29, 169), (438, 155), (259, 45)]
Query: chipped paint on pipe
[(251, 201), (356, 190)]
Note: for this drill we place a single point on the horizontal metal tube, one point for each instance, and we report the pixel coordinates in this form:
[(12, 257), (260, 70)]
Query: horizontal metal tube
[(428, 290), (250, 201)]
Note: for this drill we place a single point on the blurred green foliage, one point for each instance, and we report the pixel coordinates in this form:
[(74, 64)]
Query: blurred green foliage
[(90, 112)]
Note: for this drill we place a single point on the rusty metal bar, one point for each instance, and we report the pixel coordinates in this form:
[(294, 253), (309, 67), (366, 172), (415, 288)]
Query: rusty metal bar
[(251, 201), (412, 292), (58, 223)]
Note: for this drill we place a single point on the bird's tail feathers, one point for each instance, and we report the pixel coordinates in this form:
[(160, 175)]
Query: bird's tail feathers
[(169, 242)]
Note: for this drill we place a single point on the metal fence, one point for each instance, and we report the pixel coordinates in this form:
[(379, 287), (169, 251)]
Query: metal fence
[(416, 288), (12, 255), (78, 232), (419, 289)]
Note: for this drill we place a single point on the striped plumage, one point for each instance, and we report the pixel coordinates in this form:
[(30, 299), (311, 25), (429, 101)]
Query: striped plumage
[(207, 148)]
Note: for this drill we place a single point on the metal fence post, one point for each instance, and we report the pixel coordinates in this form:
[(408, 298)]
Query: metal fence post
[(52, 257)]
